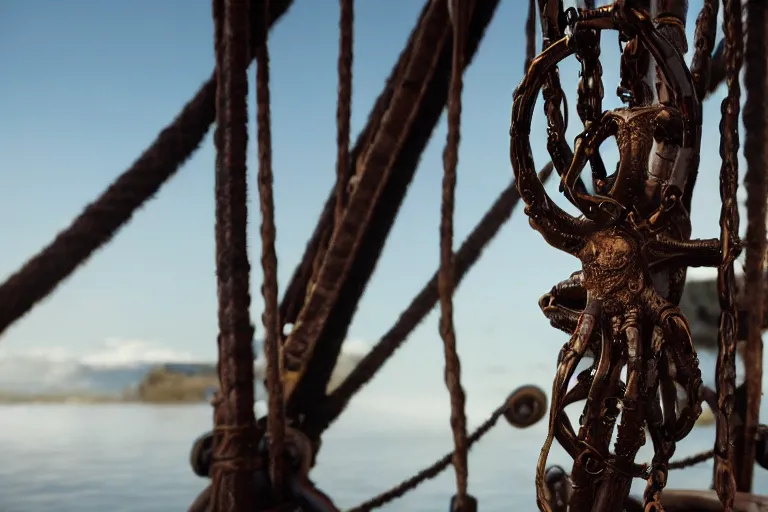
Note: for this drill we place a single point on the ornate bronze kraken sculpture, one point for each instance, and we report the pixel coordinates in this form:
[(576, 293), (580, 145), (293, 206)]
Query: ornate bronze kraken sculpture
[(632, 241)]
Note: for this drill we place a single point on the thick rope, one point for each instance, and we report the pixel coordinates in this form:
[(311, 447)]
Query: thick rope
[(421, 305), (756, 154), (100, 220), (703, 43), (344, 105), (446, 275), (301, 356), (530, 35), (271, 317), (729, 230), (103, 218), (234, 422)]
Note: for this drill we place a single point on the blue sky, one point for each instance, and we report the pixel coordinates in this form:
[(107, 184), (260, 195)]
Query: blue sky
[(87, 87)]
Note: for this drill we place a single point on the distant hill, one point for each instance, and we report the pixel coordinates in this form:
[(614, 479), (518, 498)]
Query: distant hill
[(701, 305), (49, 379), (176, 382)]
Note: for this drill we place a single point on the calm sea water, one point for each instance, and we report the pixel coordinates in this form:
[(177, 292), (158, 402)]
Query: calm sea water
[(134, 458)]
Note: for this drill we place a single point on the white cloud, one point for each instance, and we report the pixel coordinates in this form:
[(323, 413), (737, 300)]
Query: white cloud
[(116, 352)]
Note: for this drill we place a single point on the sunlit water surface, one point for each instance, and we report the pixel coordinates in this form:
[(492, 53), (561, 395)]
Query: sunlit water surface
[(134, 458)]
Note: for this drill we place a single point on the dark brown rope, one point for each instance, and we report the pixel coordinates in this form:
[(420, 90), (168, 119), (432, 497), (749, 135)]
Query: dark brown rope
[(429, 472), (692, 460), (729, 230), (756, 154), (378, 159), (271, 317), (296, 291), (235, 425), (446, 283), (530, 35), (467, 255), (344, 105), (101, 220), (703, 43)]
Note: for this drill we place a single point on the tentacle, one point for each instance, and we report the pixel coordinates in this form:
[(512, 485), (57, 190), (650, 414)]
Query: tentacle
[(580, 391), (679, 347), (560, 229), (564, 433), (617, 479), (606, 392), (555, 102), (598, 421), (693, 253), (590, 92), (663, 444), (664, 448), (668, 391), (570, 356), (587, 145)]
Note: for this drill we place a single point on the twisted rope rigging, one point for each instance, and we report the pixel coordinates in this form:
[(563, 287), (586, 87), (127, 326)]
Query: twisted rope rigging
[(344, 105), (467, 255), (530, 35), (234, 422), (234, 405), (756, 155), (271, 316), (101, 219), (701, 64), (692, 460), (729, 230), (445, 281), (348, 253)]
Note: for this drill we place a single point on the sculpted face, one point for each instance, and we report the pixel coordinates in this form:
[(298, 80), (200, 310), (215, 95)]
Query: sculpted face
[(610, 261)]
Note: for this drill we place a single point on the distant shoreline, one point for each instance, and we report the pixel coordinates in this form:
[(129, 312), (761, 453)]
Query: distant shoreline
[(7, 398), (163, 384)]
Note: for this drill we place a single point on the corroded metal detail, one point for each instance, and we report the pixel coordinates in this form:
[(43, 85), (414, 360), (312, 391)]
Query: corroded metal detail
[(633, 229)]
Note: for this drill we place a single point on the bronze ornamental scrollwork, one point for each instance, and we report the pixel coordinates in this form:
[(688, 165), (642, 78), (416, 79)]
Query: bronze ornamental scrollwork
[(633, 228)]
